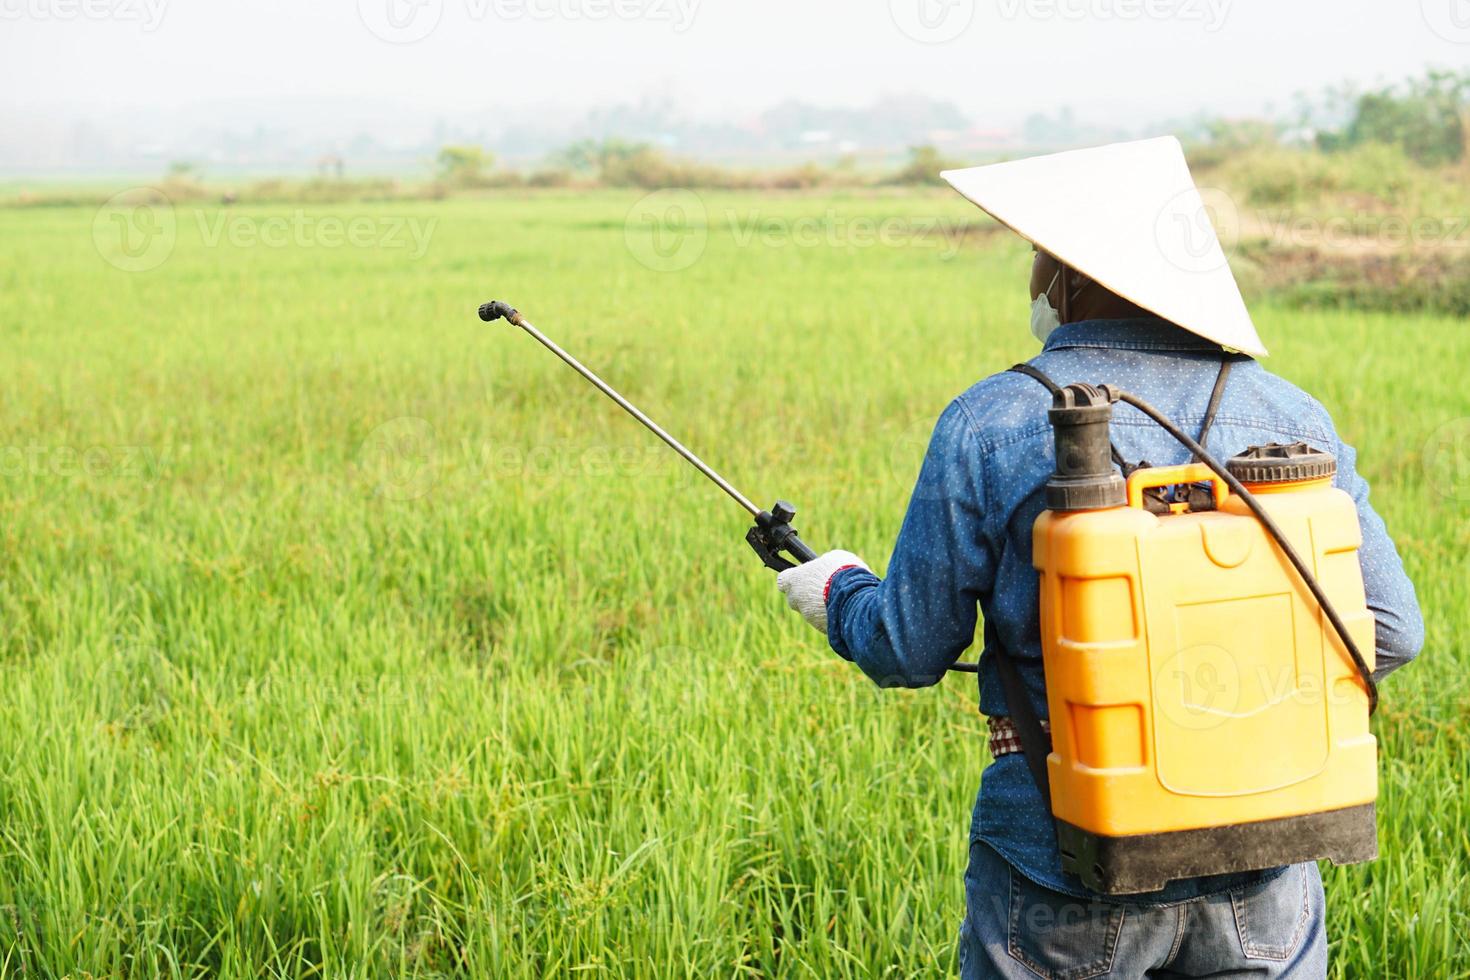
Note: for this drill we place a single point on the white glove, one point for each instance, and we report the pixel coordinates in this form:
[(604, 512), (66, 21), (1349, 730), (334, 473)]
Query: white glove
[(805, 586)]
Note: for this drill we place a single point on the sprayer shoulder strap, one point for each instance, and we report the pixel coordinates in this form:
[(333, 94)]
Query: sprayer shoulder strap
[(1035, 745), (1216, 395), (1037, 374)]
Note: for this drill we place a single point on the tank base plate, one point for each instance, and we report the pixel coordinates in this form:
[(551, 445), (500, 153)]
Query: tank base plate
[(1146, 862)]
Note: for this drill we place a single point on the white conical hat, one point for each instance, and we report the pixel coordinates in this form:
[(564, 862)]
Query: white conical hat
[(1129, 216)]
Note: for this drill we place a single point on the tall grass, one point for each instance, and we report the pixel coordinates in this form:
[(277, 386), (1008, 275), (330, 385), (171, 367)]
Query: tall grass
[(344, 635)]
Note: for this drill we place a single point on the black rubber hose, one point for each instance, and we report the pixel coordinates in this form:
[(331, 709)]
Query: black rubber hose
[(1272, 528)]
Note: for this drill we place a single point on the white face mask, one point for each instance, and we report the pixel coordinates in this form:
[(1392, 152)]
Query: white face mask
[(1044, 316)]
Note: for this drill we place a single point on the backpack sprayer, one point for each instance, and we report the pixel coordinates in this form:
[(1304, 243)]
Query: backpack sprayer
[(1153, 613), (1204, 718)]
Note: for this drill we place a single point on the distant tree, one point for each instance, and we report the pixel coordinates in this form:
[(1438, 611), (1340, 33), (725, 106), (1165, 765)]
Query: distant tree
[(183, 169), (613, 160), (1242, 134), (579, 157), (464, 164), (331, 165), (1425, 117), (923, 167), (1040, 129)]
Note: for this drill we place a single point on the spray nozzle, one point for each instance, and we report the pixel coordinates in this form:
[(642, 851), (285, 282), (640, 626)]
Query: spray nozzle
[(495, 309)]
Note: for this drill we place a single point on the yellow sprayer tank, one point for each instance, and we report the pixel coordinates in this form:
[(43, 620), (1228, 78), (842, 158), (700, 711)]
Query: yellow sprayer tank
[(1205, 717)]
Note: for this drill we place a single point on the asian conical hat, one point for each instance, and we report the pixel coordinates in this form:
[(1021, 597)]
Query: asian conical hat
[(1129, 216)]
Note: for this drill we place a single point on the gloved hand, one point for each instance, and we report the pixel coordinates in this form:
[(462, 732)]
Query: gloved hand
[(805, 586)]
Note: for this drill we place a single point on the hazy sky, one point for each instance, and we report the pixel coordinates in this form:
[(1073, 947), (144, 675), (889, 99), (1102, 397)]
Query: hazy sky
[(1121, 60)]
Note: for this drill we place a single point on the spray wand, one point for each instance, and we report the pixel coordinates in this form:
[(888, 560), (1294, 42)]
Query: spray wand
[(772, 533)]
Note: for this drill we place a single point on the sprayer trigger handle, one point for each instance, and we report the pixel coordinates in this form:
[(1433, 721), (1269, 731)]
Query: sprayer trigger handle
[(773, 534)]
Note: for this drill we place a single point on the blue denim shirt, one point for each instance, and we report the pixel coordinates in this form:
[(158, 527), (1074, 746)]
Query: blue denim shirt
[(966, 539)]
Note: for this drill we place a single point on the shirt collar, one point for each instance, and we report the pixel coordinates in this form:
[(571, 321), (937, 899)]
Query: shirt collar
[(1134, 333)]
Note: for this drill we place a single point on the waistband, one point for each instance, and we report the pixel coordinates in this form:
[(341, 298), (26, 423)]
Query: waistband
[(1004, 739)]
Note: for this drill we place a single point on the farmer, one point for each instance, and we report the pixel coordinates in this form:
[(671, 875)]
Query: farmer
[(1143, 298)]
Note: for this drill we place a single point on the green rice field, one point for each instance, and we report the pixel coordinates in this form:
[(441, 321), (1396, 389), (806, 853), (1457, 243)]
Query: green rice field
[(344, 635)]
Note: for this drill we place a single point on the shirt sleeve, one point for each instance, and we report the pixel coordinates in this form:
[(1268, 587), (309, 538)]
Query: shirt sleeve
[(907, 629), (1400, 626)]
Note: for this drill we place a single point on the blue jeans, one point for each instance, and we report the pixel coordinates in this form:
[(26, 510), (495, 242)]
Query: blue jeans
[(1017, 930)]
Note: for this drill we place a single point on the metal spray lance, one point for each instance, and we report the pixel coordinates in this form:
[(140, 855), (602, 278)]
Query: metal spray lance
[(770, 536)]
